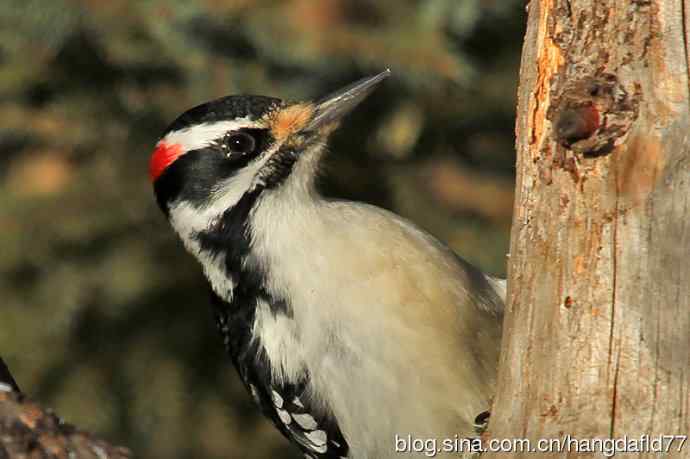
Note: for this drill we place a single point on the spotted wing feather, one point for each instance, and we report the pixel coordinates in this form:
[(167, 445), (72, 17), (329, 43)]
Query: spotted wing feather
[(287, 405), (318, 436)]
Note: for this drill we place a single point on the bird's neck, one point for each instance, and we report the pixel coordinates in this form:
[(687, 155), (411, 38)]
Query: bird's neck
[(235, 240), (244, 254)]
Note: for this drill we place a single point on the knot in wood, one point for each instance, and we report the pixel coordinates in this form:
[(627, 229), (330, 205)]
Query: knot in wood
[(592, 115)]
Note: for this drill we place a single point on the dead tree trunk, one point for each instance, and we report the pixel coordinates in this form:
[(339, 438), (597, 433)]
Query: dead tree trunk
[(597, 334)]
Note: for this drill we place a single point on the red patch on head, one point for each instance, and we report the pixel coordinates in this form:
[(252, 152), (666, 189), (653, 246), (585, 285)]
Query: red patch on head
[(164, 155)]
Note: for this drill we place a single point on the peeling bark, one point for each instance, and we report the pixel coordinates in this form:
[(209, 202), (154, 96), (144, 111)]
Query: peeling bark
[(597, 333)]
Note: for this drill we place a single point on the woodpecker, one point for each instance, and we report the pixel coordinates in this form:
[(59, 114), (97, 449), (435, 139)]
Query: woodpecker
[(349, 326)]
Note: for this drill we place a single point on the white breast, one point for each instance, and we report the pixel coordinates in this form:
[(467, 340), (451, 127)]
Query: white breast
[(382, 320)]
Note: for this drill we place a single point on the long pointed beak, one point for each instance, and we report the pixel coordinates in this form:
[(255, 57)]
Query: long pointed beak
[(338, 104)]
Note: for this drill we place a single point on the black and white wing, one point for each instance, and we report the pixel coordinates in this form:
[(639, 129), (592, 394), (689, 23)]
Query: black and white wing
[(288, 405), (318, 436)]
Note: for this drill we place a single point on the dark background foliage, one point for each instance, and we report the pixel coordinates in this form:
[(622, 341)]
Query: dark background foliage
[(103, 316)]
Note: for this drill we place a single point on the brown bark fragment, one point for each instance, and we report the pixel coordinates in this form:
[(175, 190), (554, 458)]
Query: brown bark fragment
[(27, 431)]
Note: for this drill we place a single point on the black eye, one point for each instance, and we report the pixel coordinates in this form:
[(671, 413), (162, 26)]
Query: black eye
[(240, 143)]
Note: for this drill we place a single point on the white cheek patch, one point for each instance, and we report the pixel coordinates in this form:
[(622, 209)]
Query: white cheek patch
[(202, 135)]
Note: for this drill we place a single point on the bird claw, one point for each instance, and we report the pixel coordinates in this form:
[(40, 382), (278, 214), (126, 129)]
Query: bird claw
[(481, 422)]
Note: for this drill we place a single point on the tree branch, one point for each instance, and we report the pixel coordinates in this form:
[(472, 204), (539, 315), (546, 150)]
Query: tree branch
[(27, 430)]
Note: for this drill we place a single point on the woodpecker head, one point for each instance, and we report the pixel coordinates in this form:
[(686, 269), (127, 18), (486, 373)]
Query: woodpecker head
[(216, 153)]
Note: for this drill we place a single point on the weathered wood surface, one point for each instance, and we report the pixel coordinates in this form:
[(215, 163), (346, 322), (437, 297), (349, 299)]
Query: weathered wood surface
[(597, 335), (28, 431)]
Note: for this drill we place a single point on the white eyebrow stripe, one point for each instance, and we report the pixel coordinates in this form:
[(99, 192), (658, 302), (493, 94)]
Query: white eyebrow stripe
[(202, 135)]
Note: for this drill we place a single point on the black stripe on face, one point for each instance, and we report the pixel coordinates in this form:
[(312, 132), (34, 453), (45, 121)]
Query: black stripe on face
[(231, 236), (195, 174), (278, 167)]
